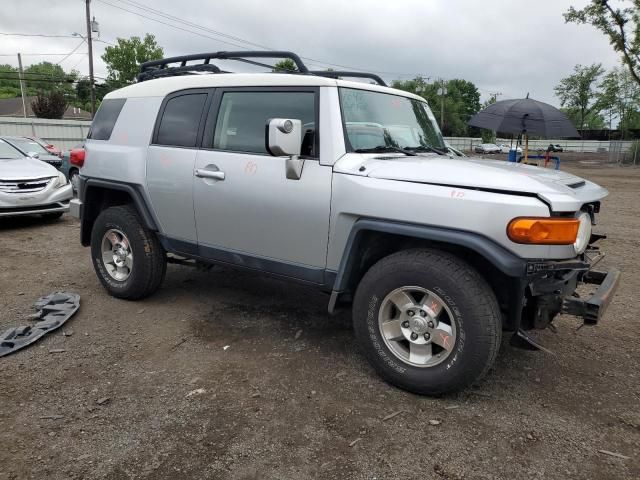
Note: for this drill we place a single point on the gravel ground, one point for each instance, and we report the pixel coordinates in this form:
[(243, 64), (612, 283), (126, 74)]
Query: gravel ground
[(229, 375)]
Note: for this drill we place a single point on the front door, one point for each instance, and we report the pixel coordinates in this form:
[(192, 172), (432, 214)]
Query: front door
[(247, 211)]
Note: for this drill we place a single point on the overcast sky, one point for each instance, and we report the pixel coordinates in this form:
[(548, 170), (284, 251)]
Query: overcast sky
[(512, 47)]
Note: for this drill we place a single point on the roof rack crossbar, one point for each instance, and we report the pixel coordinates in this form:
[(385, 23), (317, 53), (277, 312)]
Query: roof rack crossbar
[(338, 74), (162, 63), (175, 71), (164, 68)]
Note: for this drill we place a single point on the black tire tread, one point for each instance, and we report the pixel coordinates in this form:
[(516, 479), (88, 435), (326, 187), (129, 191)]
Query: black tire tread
[(486, 309), (152, 274)]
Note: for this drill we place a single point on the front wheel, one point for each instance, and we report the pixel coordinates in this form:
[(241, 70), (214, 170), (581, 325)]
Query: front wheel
[(427, 321), (127, 257)]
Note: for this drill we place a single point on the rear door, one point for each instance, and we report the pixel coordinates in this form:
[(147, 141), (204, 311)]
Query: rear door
[(253, 215), (171, 158)]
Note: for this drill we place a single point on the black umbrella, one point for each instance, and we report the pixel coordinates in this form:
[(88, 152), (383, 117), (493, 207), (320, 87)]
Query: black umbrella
[(525, 116)]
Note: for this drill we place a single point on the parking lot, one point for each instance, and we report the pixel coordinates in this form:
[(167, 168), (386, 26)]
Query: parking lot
[(229, 375)]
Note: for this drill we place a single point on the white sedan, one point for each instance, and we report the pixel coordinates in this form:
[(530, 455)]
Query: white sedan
[(30, 186), (504, 148), (488, 148)]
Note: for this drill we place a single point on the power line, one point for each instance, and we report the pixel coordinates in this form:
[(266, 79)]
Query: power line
[(34, 35), (44, 54), (71, 52), (248, 42)]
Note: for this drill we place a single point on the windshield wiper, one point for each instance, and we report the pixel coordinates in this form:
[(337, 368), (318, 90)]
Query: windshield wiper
[(426, 148), (385, 148)]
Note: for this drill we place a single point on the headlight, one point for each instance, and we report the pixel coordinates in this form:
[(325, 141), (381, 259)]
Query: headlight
[(584, 233), (62, 180)]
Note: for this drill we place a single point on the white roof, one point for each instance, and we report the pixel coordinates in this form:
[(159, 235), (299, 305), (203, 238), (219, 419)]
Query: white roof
[(160, 87)]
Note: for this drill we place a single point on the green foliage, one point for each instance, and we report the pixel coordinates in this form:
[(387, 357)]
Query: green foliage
[(592, 121), (460, 103), (488, 136), (286, 65), (46, 78), (621, 25), (123, 60), (51, 105), (9, 82), (619, 97), (578, 91)]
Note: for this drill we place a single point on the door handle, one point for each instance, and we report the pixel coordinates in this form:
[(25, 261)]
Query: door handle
[(204, 173)]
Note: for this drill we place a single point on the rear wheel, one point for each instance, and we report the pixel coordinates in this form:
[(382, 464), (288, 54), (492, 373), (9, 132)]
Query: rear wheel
[(127, 257), (427, 321)]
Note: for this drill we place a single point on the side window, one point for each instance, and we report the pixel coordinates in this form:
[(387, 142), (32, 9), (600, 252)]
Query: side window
[(243, 116), (180, 120), (105, 119)]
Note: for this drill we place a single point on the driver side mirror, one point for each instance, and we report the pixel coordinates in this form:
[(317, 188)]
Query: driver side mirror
[(284, 137), (35, 155)]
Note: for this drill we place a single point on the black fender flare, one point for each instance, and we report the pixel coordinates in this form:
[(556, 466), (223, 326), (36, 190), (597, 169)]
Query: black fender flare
[(504, 260), (134, 191)]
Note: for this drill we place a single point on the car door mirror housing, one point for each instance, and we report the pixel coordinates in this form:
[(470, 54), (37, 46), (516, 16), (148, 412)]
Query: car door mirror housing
[(284, 137)]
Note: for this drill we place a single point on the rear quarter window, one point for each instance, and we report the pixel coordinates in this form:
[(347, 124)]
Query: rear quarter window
[(105, 119), (180, 120)]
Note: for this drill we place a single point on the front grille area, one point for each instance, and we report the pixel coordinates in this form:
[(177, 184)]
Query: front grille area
[(24, 186)]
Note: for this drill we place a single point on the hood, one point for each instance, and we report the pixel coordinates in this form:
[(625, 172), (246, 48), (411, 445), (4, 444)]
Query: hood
[(562, 190), (25, 169)]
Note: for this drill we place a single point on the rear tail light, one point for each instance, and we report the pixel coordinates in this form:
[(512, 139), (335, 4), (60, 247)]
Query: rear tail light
[(76, 157)]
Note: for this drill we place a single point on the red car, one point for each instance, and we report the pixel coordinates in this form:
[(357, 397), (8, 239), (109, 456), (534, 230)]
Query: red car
[(51, 148)]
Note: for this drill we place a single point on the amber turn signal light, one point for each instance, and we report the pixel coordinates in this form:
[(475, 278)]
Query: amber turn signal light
[(543, 231)]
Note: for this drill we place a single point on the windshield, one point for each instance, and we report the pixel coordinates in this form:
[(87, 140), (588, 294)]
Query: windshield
[(8, 152), (375, 121), (27, 145)]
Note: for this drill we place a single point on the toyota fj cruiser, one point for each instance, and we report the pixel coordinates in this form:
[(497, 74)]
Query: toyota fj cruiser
[(346, 186)]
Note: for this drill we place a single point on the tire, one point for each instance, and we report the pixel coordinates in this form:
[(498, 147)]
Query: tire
[(73, 174), (144, 271), (468, 309), (52, 216)]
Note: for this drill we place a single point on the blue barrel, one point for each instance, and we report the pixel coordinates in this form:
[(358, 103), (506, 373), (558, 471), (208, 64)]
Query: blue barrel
[(512, 155)]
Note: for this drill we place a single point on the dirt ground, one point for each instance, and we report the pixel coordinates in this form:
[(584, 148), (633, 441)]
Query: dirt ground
[(227, 375)]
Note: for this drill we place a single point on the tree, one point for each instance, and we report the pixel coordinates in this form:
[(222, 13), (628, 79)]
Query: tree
[(621, 25), (619, 97), (47, 77), (52, 105), (460, 103), (9, 82), (579, 91), (286, 65), (489, 136), (123, 60), (592, 121)]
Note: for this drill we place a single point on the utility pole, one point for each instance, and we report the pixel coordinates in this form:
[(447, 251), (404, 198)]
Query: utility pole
[(91, 80), (21, 77), (442, 91)]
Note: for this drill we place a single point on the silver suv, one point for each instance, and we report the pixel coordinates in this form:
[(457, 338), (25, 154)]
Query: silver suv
[(345, 186)]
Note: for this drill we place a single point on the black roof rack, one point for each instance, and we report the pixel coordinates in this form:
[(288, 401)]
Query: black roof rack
[(163, 68), (172, 66)]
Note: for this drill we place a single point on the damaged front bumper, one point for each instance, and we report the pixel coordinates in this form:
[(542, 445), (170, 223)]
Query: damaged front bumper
[(593, 308)]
